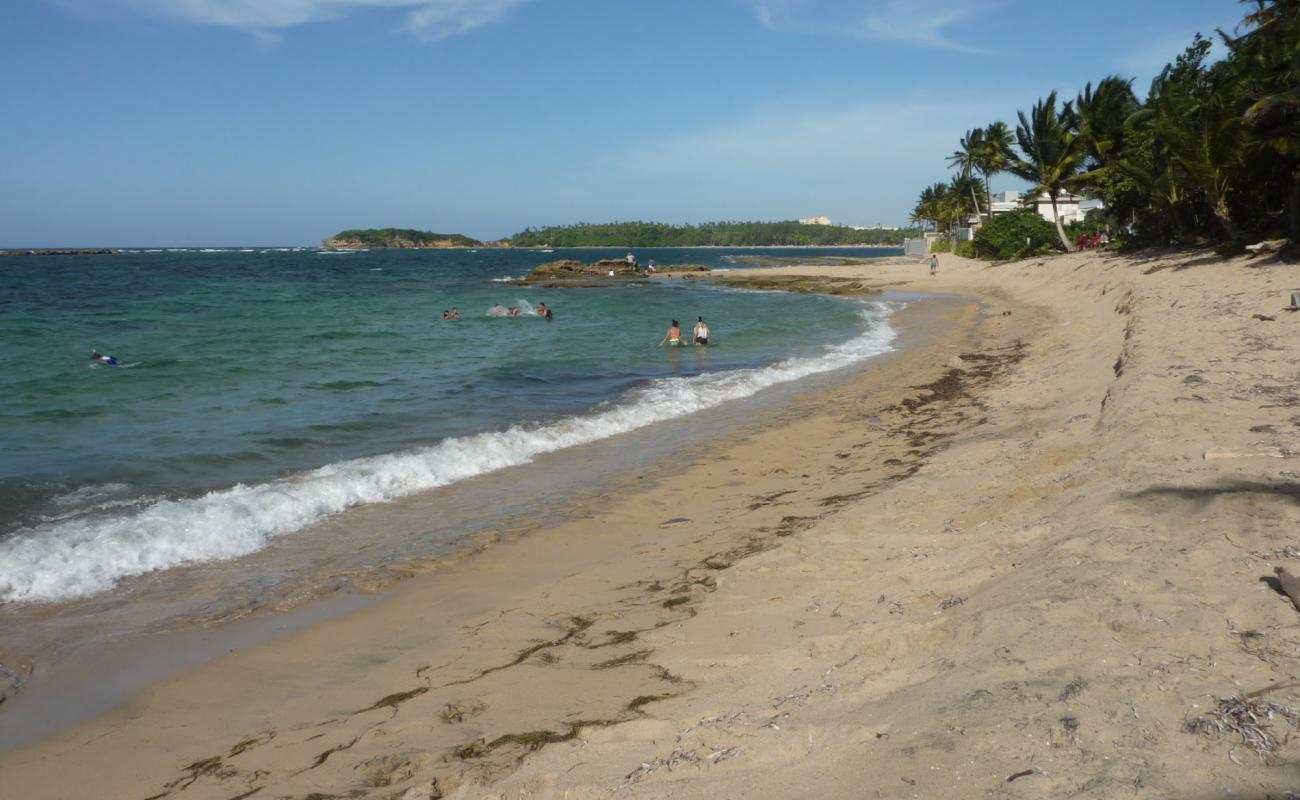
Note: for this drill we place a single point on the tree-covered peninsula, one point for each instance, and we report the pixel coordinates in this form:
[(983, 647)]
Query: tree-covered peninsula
[(401, 238), (728, 234)]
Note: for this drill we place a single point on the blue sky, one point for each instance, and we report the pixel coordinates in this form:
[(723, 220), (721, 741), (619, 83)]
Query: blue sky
[(226, 122)]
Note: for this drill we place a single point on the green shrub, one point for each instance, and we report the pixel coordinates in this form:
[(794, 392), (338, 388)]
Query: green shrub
[(967, 250), (941, 246), (1016, 234)]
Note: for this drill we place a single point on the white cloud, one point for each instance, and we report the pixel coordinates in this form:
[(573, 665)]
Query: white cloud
[(431, 19), (856, 161), (929, 23)]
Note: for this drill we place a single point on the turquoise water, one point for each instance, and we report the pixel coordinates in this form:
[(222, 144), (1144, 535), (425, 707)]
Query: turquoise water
[(262, 391)]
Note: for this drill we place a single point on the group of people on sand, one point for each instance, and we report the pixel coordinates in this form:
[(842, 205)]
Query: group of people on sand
[(699, 335), (1087, 241)]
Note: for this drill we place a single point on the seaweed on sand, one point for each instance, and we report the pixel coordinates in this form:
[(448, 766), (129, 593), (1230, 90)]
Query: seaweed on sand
[(1248, 718)]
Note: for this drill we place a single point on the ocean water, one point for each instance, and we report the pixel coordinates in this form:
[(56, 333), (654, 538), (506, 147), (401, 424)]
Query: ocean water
[(264, 391)]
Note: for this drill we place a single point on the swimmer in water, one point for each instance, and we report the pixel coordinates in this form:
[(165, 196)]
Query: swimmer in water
[(95, 355), (673, 338)]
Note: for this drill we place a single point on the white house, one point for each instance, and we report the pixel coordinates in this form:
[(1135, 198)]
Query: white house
[(1004, 202), (1071, 207), (818, 220)]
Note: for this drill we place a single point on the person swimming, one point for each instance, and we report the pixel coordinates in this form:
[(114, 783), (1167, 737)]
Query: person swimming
[(95, 355), (544, 312), (673, 338)]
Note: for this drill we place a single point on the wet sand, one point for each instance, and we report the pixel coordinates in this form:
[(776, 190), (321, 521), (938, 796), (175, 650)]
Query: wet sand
[(1014, 559)]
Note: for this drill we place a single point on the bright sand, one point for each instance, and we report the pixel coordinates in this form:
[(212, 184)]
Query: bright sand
[(1017, 575)]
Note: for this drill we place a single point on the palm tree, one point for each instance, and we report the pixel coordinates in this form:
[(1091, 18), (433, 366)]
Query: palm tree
[(966, 159), (965, 193), (1204, 139), (993, 155), (1053, 153), (930, 206), (1268, 61), (1101, 116)]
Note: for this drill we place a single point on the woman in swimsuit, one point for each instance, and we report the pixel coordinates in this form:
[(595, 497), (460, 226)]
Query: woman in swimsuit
[(674, 335)]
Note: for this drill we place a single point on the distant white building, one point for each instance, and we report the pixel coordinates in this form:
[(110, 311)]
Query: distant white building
[(819, 220), (874, 227), (1004, 202)]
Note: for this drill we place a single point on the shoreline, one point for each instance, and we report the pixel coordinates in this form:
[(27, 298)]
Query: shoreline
[(1004, 564), (68, 692), (636, 488)]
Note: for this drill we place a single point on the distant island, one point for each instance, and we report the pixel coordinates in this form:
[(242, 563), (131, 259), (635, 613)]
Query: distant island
[(708, 234), (64, 251), (400, 238), (789, 233)]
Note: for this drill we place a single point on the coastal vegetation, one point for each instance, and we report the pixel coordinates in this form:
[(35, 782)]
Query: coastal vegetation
[(397, 238), (729, 234), (1211, 155)]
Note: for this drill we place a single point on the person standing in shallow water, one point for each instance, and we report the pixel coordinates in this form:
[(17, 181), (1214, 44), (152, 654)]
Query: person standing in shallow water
[(701, 332), (934, 265), (674, 335)]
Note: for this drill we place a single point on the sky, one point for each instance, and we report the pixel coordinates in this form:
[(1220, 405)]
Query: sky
[(275, 122)]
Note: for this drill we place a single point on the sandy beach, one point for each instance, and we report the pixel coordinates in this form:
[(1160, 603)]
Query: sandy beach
[(1027, 555)]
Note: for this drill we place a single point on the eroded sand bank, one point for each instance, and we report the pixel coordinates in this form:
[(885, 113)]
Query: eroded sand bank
[(1019, 574)]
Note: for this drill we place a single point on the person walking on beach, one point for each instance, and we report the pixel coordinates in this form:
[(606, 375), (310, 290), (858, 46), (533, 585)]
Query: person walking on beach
[(701, 332), (934, 265), (673, 337)]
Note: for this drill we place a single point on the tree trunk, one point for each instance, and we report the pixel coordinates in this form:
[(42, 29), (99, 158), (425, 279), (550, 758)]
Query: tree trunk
[(1219, 205), (988, 190), (1060, 229), (975, 201), (1293, 205)]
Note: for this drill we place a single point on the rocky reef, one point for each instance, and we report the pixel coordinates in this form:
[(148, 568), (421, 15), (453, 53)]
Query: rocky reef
[(799, 284), (568, 272)]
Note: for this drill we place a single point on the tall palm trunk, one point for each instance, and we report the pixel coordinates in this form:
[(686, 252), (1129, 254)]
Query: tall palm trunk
[(1293, 206), (1060, 228), (1219, 206), (988, 190)]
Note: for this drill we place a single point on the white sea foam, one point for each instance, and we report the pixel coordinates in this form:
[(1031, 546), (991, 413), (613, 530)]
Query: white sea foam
[(82, 556)]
